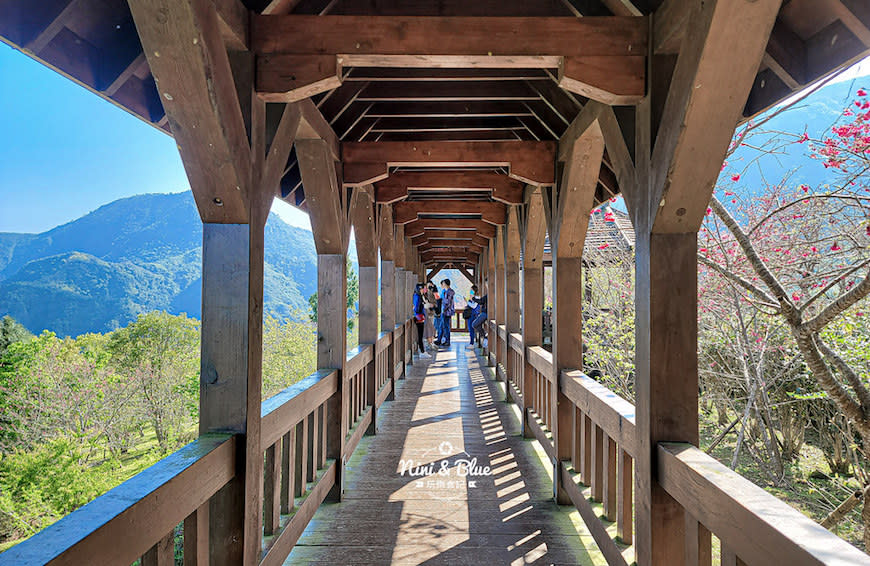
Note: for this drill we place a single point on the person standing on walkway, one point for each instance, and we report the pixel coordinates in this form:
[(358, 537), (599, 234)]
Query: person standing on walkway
[(447, 312), (429, 302), (419, 318), (472, 310), (479, 319), (437, 312)]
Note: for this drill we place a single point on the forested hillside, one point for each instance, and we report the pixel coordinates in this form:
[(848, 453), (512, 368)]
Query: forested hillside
[(131, 256)]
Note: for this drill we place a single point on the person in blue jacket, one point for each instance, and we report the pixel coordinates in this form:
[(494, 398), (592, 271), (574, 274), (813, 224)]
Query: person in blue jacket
[(472, 310)]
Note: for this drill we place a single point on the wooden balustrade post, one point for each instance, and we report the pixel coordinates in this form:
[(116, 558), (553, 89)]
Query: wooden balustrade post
[(683, 128), (513, 324), (331, 229), (533, 233)]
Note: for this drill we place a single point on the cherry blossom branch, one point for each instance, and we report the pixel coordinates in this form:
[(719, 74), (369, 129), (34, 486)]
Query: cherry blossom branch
[(832, 283), (779, 292), (766, 299), (831, 311)]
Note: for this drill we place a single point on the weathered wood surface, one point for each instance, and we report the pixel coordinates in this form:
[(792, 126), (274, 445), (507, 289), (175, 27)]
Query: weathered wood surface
[(450, 404), (132, 512), (757, 527)]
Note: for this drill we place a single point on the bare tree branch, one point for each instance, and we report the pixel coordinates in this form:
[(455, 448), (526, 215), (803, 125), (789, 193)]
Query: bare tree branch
[(766, 299), (851, 376)]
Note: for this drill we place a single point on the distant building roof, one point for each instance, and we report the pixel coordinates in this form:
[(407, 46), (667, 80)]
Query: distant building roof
[(610, 230)]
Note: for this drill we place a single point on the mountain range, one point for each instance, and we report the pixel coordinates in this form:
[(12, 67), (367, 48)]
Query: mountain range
[(135, 255)]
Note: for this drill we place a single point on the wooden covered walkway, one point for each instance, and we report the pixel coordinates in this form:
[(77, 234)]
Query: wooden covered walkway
[(448, 410), (456, 134)]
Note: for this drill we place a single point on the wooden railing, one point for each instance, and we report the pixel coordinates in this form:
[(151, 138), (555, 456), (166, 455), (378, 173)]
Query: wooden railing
[(753, 527), (168, 504), (138, 518)]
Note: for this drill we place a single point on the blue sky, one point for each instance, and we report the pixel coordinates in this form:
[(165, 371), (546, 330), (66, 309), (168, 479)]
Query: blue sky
[(66, 151)]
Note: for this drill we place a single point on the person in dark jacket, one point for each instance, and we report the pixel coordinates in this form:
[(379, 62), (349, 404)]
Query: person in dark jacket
[(447, 312), (419, 317)]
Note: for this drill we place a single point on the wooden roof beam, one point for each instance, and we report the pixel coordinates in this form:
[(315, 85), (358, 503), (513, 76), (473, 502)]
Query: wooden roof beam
[(188, 58), (463, 248), (694, 115), (601, 58), (395, 188), (422, 225), (446, 237), (492, 212), (531, 162)]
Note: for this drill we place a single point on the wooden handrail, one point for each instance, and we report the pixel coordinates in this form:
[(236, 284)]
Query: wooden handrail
[(121, 525), (516, 342), (541, 360), (357, 359), (755, 525), (282, 411), (384, 341), (502, 332), (613, 414)]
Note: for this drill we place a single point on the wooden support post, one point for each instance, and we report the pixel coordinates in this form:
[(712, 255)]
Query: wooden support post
[(682, 131), (332, 353), (410, 285), (492, 293), (230, 387), (512, 293), (567, 210), (499, 302), (329, 223), (363, 215), (533, 232)]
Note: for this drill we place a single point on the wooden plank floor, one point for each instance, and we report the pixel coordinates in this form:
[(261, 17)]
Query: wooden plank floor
[(447, 410)]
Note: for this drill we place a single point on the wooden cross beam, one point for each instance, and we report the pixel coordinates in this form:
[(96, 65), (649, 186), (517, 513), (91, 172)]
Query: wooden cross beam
[(531, 162), (396, 186), (601, 58), (492, 212), (422, 225), (466, 236), (450, 245)]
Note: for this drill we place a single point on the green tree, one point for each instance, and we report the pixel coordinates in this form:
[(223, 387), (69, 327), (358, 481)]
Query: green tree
[(352, 297), (12, 331), (289, 353), (159, 352)]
